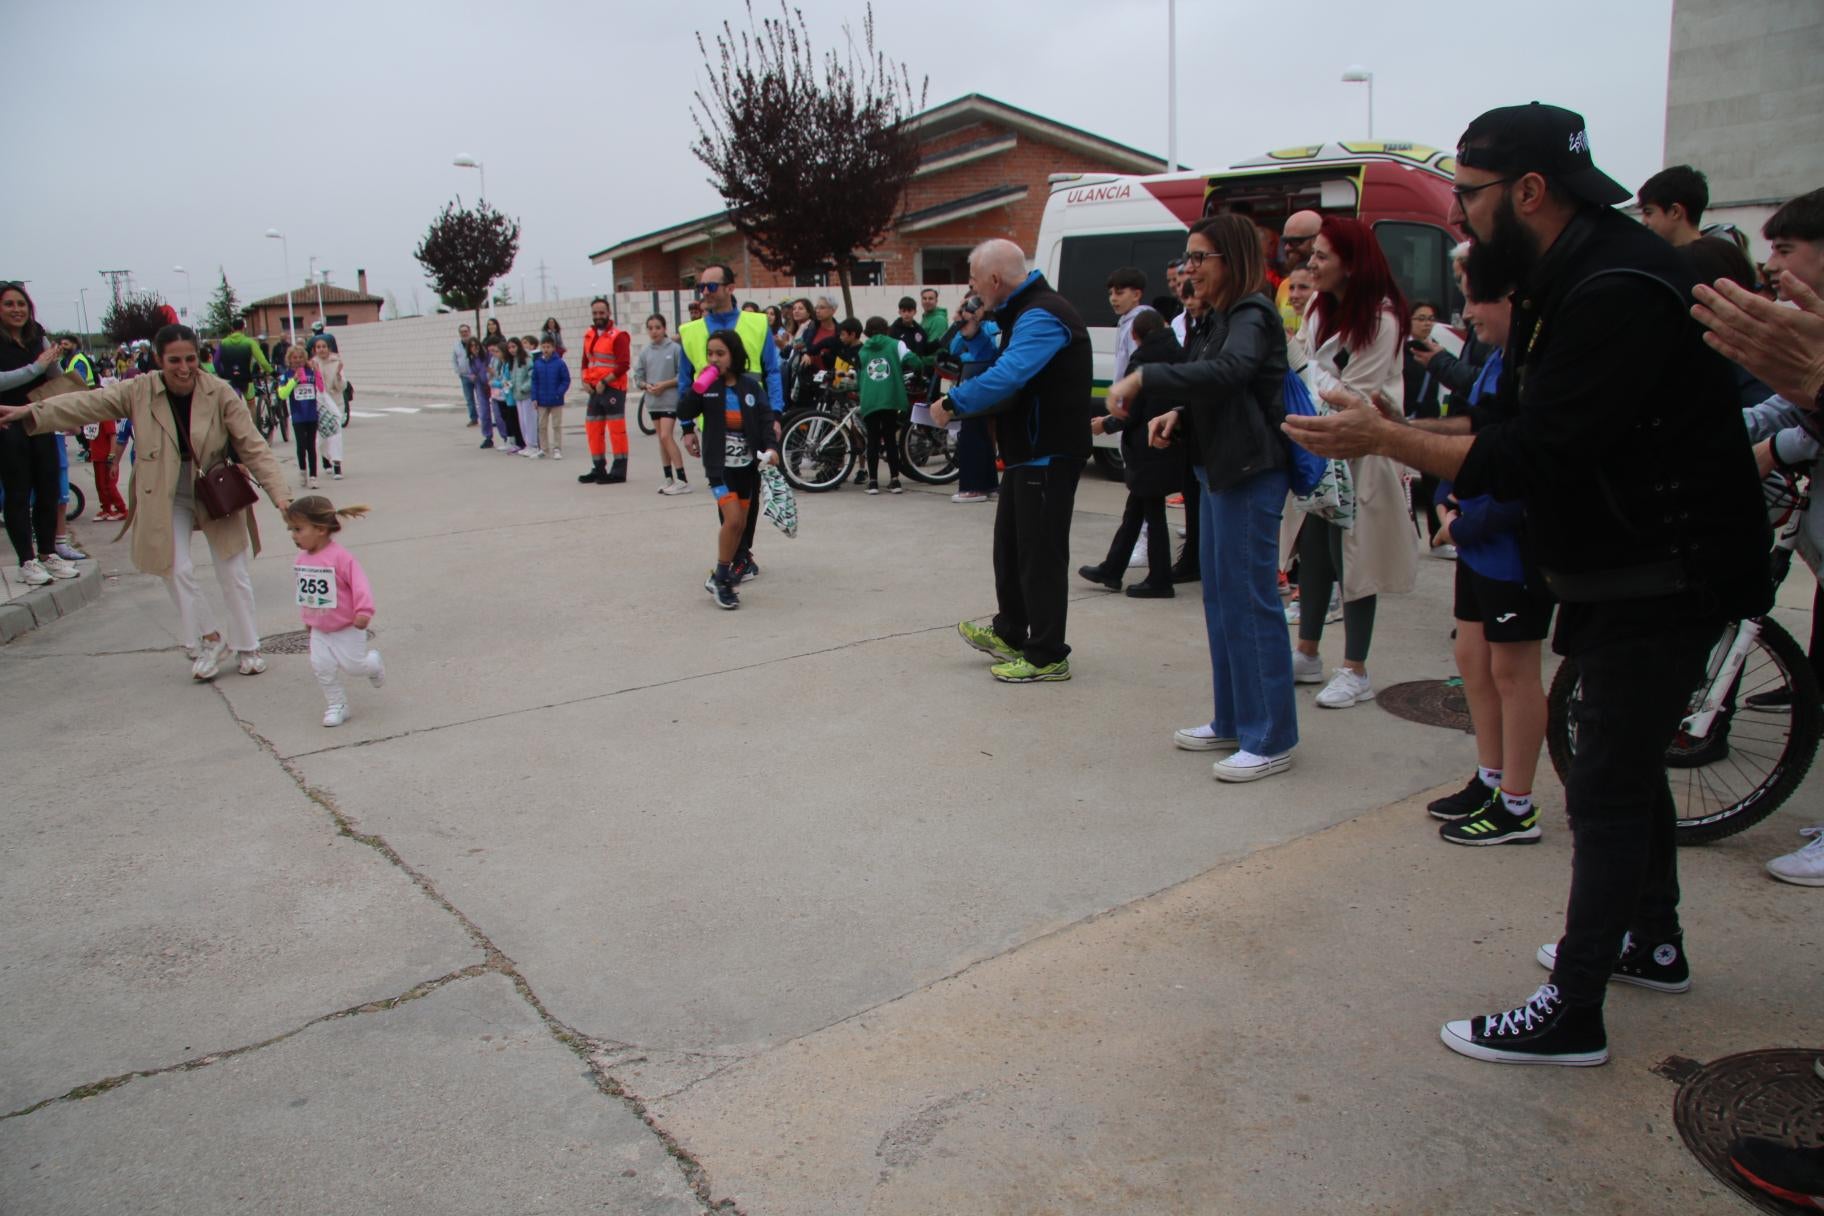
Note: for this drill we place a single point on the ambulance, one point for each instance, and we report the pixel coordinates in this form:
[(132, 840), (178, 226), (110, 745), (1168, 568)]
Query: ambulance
[(1096, 223)]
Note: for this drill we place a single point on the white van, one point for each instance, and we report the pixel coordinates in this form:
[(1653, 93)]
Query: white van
[(1097, 223)]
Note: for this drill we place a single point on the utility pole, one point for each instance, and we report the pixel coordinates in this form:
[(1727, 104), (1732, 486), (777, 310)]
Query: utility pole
[(1171, 86), (114, 278), (542, 297)]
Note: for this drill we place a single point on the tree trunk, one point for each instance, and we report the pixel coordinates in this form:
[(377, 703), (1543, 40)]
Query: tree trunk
[(848, 298)]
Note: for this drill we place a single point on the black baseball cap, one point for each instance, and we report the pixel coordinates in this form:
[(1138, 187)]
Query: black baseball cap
[(1538, 138)]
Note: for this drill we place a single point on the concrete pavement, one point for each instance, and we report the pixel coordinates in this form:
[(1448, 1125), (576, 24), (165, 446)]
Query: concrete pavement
[(791, 907)]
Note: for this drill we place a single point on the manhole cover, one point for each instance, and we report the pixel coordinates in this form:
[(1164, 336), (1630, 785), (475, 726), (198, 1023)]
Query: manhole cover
[(1430, 702), (1776, 1095), (291, 643)]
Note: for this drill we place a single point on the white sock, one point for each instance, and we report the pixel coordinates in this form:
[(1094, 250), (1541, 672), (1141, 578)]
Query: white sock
[(1520, 805), (1491, 777)]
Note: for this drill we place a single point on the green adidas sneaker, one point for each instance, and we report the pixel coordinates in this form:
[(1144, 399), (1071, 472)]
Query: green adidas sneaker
[(986, 640), (1494, 824), (1019, 671)]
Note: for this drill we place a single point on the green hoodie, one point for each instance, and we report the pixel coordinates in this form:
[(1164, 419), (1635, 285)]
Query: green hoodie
[(880, 374)]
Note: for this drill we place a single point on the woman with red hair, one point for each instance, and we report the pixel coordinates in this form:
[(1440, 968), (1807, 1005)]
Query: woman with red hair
[(1356, 326)]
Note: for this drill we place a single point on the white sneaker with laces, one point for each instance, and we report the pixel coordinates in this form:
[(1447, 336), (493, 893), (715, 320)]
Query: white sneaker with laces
[(252, 663), (335, 715), (1294, 613), (33, 573), (682, 487), (1346, 688), (209, 657), (1307, 668), (1202, 739), (1247, 766), (57, 565), (530, 453), (968, 496), (1803, 867), (69, 552), (378, 679), (1334, 613)]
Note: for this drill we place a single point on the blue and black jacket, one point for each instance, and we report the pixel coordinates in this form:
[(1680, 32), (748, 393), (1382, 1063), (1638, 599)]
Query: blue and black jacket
[(1037, 391)]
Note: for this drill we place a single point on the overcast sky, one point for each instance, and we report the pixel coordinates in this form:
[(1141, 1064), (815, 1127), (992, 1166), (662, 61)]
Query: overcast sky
[(178, 136)]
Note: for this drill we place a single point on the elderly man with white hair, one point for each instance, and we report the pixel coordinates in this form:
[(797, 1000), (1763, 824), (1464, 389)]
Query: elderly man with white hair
[(1036, 396)]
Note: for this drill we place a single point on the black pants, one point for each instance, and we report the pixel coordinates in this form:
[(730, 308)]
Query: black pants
[(1148, 510), (1032, 557), (1193, 520), (975, 458), (306, 435), (28, 473), (1424, 511), (509, 416), (1624, 860), (883, 431), (753, 512)]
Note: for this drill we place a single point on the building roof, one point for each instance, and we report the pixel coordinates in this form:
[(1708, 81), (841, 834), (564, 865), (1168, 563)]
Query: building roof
[(931, 124), (308, 294)]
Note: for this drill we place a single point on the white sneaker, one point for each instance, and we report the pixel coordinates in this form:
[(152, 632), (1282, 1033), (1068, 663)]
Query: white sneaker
[(209, 657), (1247, 766), (1803, 868), (252, 663), (1202, 739), (1138, 556), (1345, 689), (557, 453), (336, 476), (968, 496), (33, 573), (378, 679), (1293, 613), (303, 479), (531, 453), (679, 487), (1307, 668), (1447, 552), (312, 483), (57, 565), (335, 715), (69, 552), (666, 488), (1334, 613)]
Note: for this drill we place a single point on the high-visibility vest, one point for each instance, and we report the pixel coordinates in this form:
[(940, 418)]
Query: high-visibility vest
[(86, 371), (751, 326), (598, 353)]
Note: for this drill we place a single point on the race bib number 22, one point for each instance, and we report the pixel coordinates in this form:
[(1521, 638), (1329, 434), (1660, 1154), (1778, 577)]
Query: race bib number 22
[(316, 586)]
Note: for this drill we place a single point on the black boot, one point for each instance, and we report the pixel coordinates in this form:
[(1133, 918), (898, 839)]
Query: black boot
[(617, 474), (597, 475), (1148, 589), (1101, 577), (1184, 570)]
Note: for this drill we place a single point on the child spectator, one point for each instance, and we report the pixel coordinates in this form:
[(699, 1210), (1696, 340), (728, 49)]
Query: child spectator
[(882, 359), (550, 381), (840, 348), (908, 330), (329, 405), (478, 373), (657, 375), (1152, 473), (301, 387), (519, 387), (334, 599), (500, 396), (737, 431)]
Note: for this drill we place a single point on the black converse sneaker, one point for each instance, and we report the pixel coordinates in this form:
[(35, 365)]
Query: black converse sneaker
[(1662, 967), (1545, 1030), (1462, 804), (1494, 824)]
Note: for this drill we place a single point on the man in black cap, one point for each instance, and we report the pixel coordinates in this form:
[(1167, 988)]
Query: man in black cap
[(1644, 515)]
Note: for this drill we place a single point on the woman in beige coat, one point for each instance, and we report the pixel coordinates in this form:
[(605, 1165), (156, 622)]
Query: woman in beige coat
[(183, 422), (1356, 326)]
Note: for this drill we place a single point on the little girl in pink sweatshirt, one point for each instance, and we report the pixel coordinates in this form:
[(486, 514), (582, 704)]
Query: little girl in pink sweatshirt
[(334, 600)]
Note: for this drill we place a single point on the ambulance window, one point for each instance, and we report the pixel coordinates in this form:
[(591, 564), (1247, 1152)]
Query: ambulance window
[(1420, 257), (1085, 262)]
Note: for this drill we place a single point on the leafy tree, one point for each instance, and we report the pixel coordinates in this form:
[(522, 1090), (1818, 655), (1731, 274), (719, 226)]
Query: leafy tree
[(464, 251), (224, 308), (134, 317), (810, 156)]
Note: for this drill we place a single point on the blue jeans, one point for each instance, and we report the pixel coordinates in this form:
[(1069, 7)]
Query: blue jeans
[(1250, 655), (468, 397)]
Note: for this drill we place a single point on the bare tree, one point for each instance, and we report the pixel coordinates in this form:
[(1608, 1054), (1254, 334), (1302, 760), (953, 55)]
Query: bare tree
[(464, 251), (811, 156)]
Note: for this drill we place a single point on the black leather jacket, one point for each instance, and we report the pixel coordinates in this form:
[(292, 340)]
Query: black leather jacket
[(1232, 382)]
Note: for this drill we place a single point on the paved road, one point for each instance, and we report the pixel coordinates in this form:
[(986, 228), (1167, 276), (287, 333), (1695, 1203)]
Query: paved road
[(610, 901)]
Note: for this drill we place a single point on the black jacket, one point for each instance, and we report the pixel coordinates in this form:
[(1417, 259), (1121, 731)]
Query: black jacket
[(1151, 472), (913, 335), (741, 408), (1048, 414), (1233, 384), (1457, 373), (1643, 506)]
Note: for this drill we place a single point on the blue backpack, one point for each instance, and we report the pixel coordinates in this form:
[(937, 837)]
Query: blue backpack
[(1307, 470)]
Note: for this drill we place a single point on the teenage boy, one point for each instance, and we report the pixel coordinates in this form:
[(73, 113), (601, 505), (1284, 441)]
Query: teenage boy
[(1126, 290), (908, 330), (606, 358), (1672, 203), (550, 382)]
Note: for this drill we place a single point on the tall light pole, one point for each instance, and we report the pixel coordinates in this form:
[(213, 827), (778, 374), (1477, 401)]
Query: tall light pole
[(291, 318), (465, 161), (189, 297), (310, 276), (83, 299), (322, 278), (1355, 73), (1171, 86)]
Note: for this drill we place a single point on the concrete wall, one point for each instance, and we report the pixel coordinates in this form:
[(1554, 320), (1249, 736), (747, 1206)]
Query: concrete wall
[(412, 355), (1744, 96)]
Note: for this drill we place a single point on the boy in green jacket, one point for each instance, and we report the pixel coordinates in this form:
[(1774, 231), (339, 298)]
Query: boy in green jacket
[(881, 363)]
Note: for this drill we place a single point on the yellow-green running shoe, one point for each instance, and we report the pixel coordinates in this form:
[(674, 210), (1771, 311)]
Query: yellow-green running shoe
[(1019, 671), (986, 640)]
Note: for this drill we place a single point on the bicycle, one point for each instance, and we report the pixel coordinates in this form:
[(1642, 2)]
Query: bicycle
[(269, 413), (818, 449), (1755, 719)]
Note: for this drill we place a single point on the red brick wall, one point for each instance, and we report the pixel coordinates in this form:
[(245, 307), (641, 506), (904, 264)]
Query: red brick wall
[(1030, 163)]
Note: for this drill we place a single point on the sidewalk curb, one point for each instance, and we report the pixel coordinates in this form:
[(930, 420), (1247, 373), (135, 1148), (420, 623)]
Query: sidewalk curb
[(42, 605)]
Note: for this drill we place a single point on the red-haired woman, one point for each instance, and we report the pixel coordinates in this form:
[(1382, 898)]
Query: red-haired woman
[(1356, 327)]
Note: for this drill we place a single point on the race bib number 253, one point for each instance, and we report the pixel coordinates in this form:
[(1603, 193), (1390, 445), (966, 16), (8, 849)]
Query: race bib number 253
[(316, 586)]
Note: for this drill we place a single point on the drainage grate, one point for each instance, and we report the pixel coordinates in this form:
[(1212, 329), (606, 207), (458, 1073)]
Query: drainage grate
[(292, 643), (1428, 702), (1776, 1095)]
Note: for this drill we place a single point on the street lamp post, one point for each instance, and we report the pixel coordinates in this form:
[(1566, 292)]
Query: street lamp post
[(82, 294), (189, 297), (291, 318), (311, 276), (1355, 73), (465, 161)]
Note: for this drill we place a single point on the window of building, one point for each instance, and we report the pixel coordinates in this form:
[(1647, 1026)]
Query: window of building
[(1085, 262), (866, 274), (943, 266), (336, 318), (816, 276)]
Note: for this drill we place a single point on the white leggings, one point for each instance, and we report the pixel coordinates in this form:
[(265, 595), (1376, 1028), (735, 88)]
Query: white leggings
[(195, 619), (336, 651)]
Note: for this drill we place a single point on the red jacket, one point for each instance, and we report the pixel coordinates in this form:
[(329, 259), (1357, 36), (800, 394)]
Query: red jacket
[(607, 354)]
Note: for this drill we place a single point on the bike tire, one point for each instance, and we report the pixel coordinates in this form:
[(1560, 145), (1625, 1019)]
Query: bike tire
[(647, 426), (927, 454), (816, 452), (1789, 767), (74, 507)]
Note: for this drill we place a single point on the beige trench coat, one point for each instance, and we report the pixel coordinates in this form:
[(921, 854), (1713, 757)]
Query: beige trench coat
[(217, 413), (1381, 552)]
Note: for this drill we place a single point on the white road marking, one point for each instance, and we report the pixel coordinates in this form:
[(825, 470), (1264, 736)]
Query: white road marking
[(402, 409)]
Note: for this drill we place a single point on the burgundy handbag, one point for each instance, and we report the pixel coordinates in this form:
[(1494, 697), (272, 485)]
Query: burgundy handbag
[(225, 489)]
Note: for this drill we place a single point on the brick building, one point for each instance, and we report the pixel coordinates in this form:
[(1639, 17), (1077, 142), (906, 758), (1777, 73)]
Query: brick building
[(340, 307), (983, 172)]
